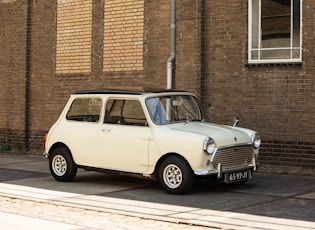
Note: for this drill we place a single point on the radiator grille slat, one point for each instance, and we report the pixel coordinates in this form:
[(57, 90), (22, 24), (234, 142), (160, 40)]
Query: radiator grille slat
[(233, 156)]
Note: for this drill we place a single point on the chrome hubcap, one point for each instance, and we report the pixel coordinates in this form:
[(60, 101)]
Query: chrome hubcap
[(172, 176), (59, 165)]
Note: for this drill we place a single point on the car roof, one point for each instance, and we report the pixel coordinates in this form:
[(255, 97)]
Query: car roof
[(127, 91)]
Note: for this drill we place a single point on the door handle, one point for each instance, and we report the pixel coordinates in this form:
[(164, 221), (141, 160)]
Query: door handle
[(105, 130), (147, 139)]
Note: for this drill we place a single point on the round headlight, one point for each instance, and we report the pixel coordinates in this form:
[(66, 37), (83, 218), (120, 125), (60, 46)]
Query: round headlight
[(209, 146), (256, 140)]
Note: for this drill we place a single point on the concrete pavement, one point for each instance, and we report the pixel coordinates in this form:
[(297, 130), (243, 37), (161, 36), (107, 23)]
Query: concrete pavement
[(28, 194), (27, 214)]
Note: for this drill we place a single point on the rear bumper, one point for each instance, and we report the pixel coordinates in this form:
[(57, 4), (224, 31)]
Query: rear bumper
[(45, 154)]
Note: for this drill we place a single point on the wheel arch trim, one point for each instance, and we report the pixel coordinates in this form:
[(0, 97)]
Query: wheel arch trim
[(155, 173)]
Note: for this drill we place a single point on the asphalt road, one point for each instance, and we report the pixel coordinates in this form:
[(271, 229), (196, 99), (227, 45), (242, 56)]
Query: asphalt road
[(268, 201)]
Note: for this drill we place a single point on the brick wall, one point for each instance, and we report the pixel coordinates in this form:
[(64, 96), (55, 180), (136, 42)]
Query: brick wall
[(74, 36), (12, 75), (123, 35), (188, 44), (211, 60), (276, 100), (45, 90)]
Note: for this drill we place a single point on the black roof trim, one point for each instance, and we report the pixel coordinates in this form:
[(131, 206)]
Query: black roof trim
[(108, 91), (132, 91)]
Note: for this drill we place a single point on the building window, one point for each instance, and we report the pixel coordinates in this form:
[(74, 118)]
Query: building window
[(274, 31)]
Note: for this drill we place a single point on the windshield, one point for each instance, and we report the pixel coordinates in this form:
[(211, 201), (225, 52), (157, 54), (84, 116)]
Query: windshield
[(177, 108)]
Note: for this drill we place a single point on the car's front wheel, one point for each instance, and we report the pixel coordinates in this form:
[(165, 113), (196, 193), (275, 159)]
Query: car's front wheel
[(61, 165), (176, 176)]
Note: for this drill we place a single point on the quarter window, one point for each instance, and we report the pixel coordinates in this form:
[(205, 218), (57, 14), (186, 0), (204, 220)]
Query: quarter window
[(85, 109), (275, 28)]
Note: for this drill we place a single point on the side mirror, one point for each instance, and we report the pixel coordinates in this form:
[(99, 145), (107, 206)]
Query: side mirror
[(236, 121)]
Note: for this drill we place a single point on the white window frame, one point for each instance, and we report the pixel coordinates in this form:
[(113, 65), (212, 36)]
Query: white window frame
[(259, 49)]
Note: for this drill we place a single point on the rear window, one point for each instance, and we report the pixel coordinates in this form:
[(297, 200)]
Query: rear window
[(85, 109)]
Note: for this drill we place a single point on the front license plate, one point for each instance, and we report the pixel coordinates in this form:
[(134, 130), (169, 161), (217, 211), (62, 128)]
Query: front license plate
[(237, 176)]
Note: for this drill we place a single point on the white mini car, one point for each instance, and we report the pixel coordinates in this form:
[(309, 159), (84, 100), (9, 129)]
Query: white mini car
[(161, 134)]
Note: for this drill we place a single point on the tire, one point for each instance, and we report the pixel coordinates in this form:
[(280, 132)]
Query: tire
[(61, 165), (176, 176)]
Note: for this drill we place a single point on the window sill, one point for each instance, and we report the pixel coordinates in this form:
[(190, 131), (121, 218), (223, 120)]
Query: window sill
[(274, 64)]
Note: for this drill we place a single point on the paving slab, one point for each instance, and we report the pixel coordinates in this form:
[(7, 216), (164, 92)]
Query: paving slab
[(11, 174), (39, 214), (32, 163), (275, 185), (16, 222), (291, 209), (310, 195), (84, 183)]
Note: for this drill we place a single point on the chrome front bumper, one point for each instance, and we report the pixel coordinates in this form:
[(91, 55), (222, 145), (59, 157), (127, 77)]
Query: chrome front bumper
[(219, 170)]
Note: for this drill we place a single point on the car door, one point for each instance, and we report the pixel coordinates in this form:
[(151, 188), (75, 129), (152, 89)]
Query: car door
[(80, 128), (123, 138)]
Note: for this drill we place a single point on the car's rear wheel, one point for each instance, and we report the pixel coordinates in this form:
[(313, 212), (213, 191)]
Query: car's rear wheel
[(61, 165), (176, 176)]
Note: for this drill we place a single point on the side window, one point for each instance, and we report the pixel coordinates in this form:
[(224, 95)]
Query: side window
[(113, 111), (85, 109), (132, 113), (125, 112), (274, 31)]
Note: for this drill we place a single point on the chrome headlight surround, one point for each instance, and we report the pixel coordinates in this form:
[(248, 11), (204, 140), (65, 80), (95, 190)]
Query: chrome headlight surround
[(256, 140), (209, 146)]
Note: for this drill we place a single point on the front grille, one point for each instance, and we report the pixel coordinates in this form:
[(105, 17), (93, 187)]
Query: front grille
[(233, 156)]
